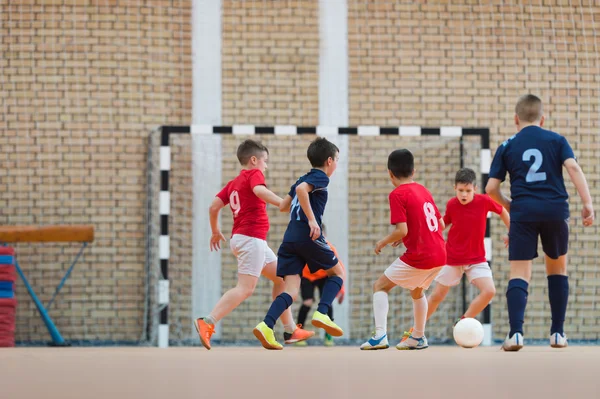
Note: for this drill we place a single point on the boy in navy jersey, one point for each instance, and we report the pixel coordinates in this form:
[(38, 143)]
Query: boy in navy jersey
[(303, 244), (534, 159)]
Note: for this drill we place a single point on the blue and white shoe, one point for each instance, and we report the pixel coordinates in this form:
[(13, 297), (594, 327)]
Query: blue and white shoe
[(558, 341), (514, 343), (412, 343), (375, 343)]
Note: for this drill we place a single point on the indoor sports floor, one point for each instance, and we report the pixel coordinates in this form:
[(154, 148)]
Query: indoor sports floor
[(311, 372)]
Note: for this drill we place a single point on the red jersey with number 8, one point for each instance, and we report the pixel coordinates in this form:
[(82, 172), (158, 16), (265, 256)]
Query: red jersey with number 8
[(249, 212), (413, 204)]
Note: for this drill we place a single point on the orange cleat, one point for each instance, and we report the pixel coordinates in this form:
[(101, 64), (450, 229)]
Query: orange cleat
[(298, 335), (205, 331)]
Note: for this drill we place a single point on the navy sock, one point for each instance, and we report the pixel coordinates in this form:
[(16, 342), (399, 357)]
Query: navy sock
[(279, 305), (332, 287), (302, 314), (516, 298), (558, 294)]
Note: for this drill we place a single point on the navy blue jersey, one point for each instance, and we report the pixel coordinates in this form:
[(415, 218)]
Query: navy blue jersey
[(534, 159), (298, 230)]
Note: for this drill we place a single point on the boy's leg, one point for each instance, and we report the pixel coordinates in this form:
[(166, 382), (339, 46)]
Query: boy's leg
[(289, 267), (417, 340), (228, 302), (522, 249), (558, 292), (320, 284), (517, 293), (555, 241), (417, 281), (516, 299), (420, 306), (487, 290), (233, 298), (284, 300), (332, 287), (270, 272), (480, 275), (264, 330), (437, 296), (307, 291), (251, 256), (292, 333), (381, 289)]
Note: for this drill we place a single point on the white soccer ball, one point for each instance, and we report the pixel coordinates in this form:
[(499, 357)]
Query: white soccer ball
[(468, 333)]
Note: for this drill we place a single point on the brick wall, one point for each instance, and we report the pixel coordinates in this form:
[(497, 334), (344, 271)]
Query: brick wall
[(83, 84), (270, 62)]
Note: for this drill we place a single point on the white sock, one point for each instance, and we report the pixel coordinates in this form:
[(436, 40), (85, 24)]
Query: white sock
[(289, 328), (420, 313), (380, 310)]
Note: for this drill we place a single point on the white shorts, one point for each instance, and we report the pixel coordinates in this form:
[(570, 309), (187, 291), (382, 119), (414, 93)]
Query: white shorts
[(409, 277), (252, 254), (451, 275)]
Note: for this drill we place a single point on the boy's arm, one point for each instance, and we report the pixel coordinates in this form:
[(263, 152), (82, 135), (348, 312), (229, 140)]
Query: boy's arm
[(398, 234), (267, 195), (302, 191), (493, 190), (444, 225), (213, 212), (286, 203), (505, 216), (578, 179)]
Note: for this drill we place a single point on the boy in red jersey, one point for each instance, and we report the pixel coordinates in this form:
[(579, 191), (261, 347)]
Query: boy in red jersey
[(247, 196), (419, 226), (467, 213)]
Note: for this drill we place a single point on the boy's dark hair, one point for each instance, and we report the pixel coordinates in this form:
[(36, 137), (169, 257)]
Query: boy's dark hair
[(320, 150), (465, 176), (249, 149), (529, 108), (401, 163)]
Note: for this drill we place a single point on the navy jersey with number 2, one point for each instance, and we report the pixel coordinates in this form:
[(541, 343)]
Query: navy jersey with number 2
[(534, 159)]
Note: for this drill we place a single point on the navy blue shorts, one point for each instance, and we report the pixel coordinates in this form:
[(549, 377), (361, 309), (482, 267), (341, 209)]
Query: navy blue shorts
[(523, 239), (293, 256)]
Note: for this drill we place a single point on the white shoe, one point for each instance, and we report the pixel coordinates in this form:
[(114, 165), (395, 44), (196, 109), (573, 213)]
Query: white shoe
[(413, 343), (514, 343), (376, 343), (558, 341)]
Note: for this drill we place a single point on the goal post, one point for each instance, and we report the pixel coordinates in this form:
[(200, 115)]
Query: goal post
[(174, 159)]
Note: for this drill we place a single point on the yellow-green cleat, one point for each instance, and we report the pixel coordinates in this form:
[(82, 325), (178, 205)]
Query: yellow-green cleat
[(323, 321), (266, 337)]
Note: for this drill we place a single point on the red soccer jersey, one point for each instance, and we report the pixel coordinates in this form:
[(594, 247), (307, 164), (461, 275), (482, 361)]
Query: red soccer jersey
[(413, 204), (249, 212), (465, 238)]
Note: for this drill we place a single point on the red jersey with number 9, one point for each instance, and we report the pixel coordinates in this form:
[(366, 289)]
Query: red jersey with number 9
[(413, 204), (249, 212)]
